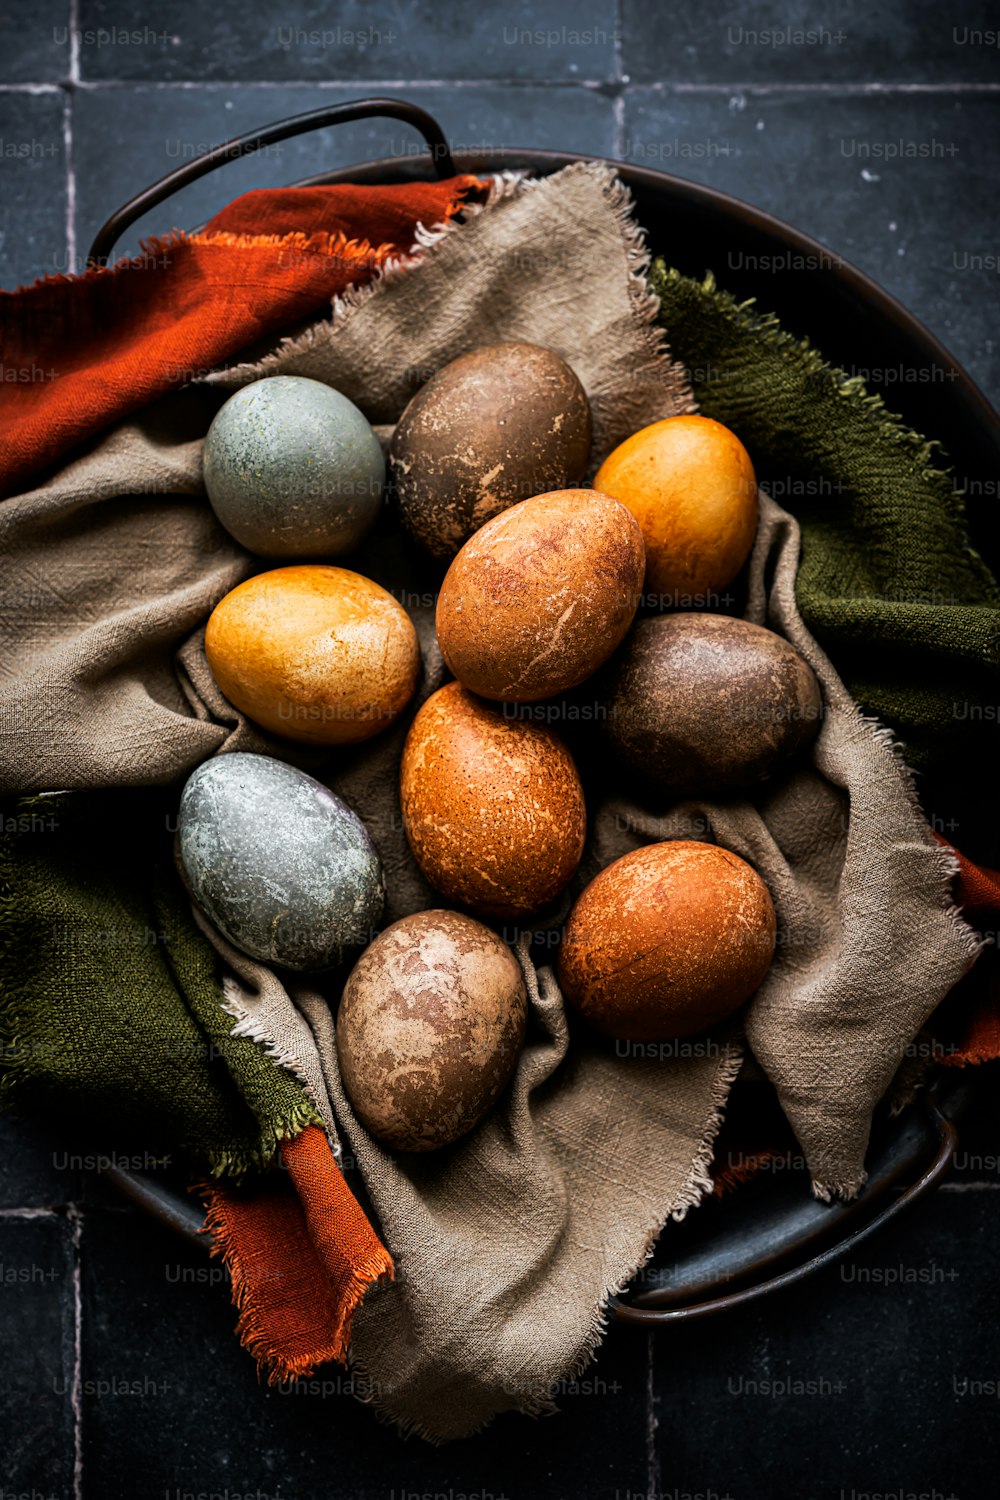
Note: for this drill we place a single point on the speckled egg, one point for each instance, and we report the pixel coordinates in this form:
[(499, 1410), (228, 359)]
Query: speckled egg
[(282, 867), (496, 425), (430, 1026), (541, 595), (317, 654), (666, 941), (492, 806), (707, 704), (293, 469)]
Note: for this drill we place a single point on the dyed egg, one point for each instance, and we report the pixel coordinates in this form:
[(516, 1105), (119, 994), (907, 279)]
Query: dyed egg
[(541, 595), (702, 704), (690, 484), (282, 867), (666, 941), (492, 807), (493, 427), (430, 1026), (293, 469), (315, 653)]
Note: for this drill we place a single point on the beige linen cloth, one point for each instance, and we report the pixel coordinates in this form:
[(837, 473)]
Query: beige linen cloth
[(507, 1244)]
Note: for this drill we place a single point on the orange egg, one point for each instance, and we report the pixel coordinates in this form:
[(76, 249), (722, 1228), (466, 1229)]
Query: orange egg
[(492, 806), (690, 484), (314, 653), (667, 941)]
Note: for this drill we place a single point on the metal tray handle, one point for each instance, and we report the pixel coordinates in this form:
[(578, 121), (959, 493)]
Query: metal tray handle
[(281, 130), (656, 1307)]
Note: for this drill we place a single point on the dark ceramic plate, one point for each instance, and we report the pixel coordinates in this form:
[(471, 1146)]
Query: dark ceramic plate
[(770, 1232)]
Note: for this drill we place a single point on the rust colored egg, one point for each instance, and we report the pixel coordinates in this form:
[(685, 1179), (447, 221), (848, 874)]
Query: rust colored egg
[(429, 1030), (666, 941), (314, 653), (541, 596), (494, 426), (492, 806), (690, 484)]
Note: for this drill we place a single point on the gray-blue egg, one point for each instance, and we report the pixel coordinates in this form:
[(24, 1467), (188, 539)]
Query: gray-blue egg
[(279, 864), (293, 469)]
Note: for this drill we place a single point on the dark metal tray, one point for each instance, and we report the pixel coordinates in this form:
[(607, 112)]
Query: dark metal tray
[(770, 1232)]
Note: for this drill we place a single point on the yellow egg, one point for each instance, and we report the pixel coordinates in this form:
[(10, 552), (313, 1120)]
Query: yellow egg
[(314, 653), (690, 484)]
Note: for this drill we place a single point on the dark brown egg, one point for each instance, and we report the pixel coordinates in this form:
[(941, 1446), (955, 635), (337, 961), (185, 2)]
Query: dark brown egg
[(429, 1029), (666, 941), (493, 807), (496, 425), (539, 598), (704, 704)]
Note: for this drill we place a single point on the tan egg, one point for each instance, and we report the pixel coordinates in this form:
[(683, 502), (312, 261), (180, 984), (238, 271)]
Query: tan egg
[(493, 807), (690, 484), (540, 597), (315, 653), (666, 941), (429, 1029)]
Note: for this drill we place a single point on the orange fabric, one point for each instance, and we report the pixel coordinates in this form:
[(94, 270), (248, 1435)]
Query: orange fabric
[(725, 1179), (301, 1255), (82, 352), (970, 1017)]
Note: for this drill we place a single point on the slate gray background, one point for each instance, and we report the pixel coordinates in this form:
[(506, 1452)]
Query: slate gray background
[(877, 132)]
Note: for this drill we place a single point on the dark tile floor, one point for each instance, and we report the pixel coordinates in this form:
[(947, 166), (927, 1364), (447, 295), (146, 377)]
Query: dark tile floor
[(872, 126)]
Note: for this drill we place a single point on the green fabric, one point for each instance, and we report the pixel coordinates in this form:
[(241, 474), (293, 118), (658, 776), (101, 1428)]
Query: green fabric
[(110, 1006), (888, 584)]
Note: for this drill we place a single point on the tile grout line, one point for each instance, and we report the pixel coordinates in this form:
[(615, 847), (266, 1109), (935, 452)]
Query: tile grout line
[(97, 85), (70, 225), (74, 41), (74, 84), (76, 1405), (618, 105), (852, 90), (652, 1422)]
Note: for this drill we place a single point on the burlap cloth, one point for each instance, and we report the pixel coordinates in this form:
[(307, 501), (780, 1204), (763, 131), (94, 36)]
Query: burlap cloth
[(507, 1244)]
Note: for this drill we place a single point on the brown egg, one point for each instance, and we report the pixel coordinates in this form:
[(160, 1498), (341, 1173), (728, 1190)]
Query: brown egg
[(690, 484), (429, 1029), (702, 704), (314, 653), (496, 425), (541, 595), (666, 941), (493, 807)]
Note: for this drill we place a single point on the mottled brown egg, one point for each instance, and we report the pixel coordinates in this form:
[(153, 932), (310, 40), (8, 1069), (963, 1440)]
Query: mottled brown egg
[(666, 941), (496, 425), (492, 806), (314, 653), (707, 704), (539, 598), (429, 1029)]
